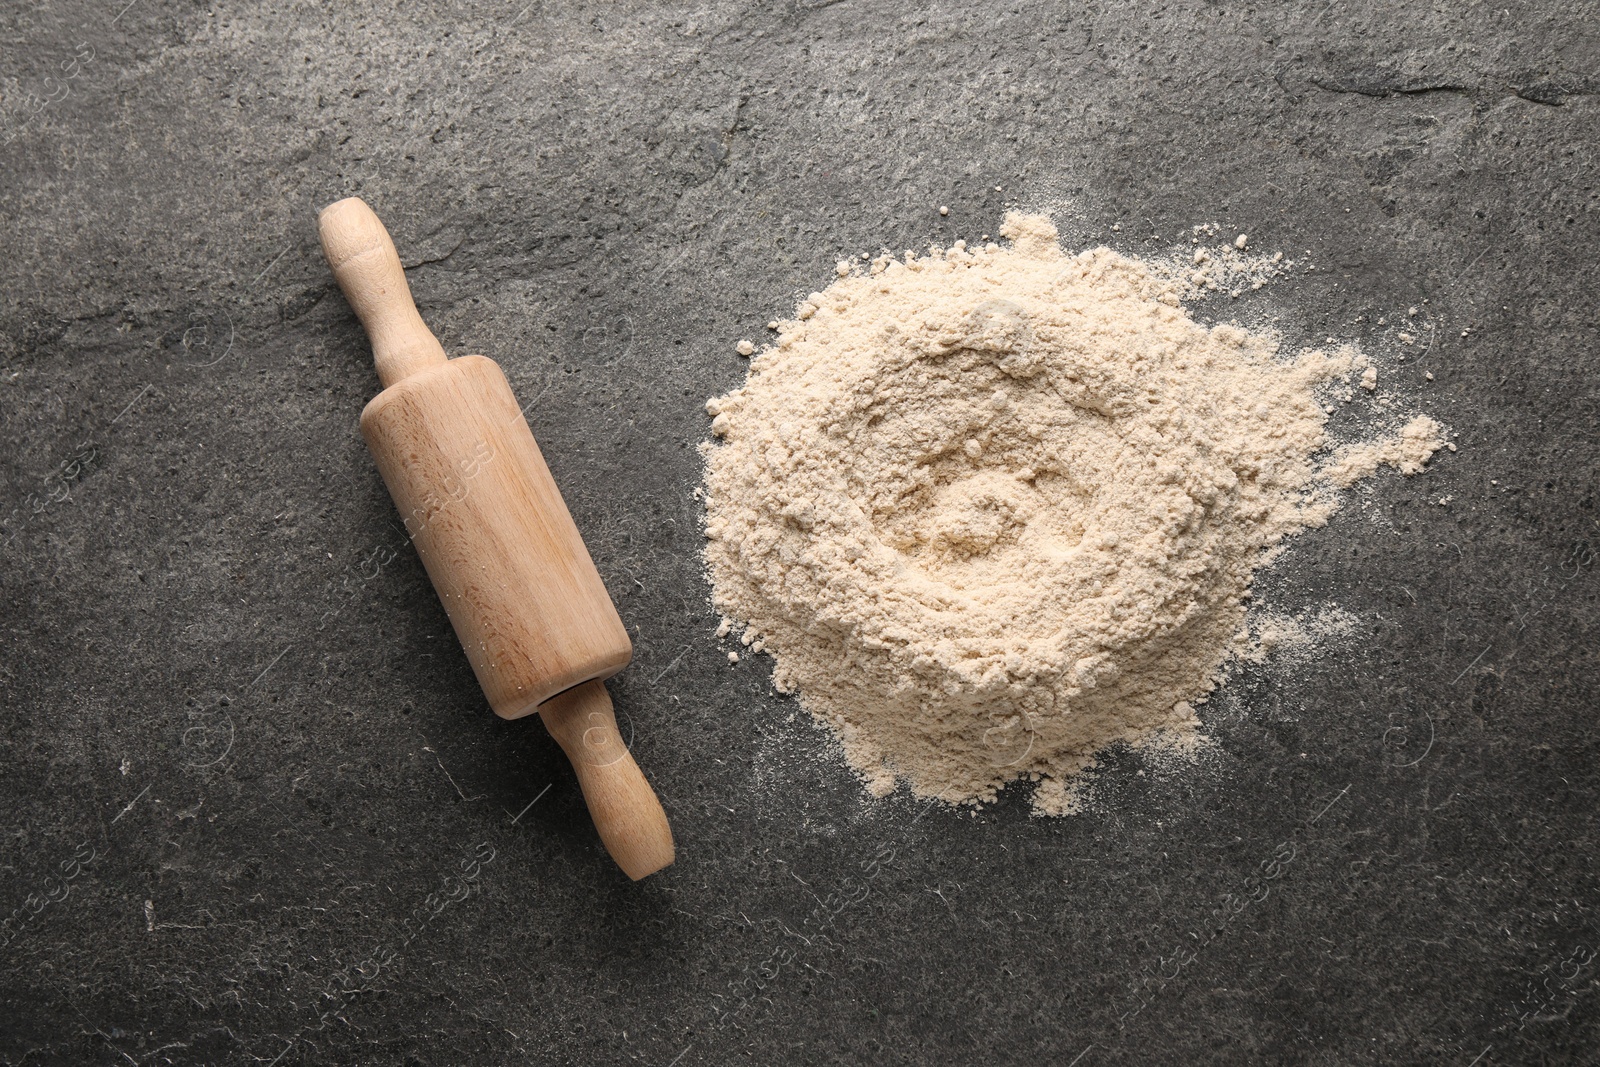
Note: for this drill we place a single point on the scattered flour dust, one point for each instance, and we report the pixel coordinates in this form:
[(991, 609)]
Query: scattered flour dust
[(993, 509), (1409, 451)]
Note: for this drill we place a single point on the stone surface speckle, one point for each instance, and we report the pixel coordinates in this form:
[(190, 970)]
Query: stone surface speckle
[(255, 810)]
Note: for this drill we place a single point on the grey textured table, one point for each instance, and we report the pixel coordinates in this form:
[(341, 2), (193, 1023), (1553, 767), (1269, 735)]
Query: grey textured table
[(255, 809)]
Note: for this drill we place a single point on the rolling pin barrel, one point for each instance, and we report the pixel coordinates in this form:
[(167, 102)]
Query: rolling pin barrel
[(495, 536), (490, 525)]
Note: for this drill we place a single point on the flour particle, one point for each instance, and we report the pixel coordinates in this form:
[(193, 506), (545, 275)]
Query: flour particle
[(993, 509)]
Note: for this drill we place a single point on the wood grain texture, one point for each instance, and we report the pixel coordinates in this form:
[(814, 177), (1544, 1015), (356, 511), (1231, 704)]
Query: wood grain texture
[(364, 261), (625, 809), (492, 530)]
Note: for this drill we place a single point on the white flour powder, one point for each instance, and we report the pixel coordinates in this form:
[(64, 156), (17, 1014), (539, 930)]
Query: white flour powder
[(993, 509)]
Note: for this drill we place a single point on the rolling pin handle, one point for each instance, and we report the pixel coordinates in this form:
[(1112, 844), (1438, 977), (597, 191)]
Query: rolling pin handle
[(368, 268), (625, 809)]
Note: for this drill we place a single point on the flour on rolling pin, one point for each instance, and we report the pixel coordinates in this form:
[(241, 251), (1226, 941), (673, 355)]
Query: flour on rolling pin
[(503, 553)]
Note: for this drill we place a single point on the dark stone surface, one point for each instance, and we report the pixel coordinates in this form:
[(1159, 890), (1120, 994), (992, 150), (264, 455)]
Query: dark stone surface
[(229, 691)]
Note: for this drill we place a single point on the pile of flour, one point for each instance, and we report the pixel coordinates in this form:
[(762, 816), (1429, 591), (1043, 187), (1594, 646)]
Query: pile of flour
[(992, 509)]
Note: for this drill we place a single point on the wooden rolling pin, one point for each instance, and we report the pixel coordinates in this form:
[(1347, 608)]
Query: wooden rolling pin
[(497, 540)]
